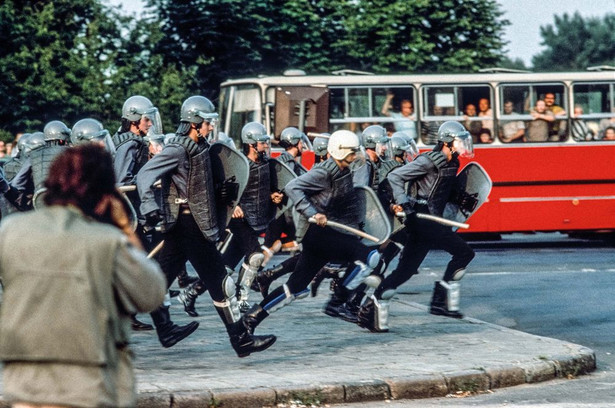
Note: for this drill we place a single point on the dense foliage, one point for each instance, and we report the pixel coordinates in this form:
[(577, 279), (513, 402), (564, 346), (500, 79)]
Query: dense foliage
[(68, 60)]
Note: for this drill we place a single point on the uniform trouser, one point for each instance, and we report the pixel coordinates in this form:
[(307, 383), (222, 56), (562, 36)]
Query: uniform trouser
[(282, 224), (243, 244), (186, 242), (424, 235), (321, 245)]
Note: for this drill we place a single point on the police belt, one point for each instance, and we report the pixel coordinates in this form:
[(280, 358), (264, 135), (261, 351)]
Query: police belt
[(183, 205)]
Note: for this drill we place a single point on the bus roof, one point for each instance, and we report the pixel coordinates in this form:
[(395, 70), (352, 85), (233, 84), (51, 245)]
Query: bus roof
[(366, 80)]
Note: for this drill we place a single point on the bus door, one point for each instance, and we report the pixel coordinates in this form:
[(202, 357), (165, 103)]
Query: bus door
[(306, 108)]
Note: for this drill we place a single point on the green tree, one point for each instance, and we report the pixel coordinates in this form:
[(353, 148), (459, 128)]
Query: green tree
[(54, 61), (575, 43), (422, 35)]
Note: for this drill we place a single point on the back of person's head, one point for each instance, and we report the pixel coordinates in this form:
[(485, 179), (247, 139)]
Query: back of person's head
[(80, 176)]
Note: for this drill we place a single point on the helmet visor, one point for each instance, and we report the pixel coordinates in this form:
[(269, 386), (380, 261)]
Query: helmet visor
[(412, 151), (383, 149), (305, 141), (154, 116), (463, 145)]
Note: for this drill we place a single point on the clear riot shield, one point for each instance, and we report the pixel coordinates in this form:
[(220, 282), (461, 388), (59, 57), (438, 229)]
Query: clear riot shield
[(474, 188), (231, 171)]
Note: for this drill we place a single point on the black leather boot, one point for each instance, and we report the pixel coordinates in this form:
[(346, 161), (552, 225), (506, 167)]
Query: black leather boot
[(188, 297), (138, 325), (184, 280), (243, 342), (349, 311), (266, 278), (169, 333), (338, 298), (253, 317), (439, 302)]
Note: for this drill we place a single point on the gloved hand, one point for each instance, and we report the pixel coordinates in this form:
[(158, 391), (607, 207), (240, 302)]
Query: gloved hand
[(153, 218), (410, 213)]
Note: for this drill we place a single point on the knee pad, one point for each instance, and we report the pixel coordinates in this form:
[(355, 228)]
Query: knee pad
[(372, 259), (228, 287), (255, 260), (373, 281)]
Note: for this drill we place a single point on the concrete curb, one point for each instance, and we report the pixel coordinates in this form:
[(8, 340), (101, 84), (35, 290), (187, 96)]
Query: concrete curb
[(417, 387)]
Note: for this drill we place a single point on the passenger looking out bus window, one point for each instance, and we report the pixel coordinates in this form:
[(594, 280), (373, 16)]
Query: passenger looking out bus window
[(579, 129), (605, 123), (485, 111), (484, 136), (609, 133), (473, 126), (429, 129), (511, 130), (538, 128), (407, 119), (557, 128)]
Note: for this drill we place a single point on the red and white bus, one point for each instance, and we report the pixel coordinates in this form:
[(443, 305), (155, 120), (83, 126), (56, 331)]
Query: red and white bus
[(548, 179)]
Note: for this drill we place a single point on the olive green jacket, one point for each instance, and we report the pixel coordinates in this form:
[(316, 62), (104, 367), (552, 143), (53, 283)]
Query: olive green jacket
[(70, 284)]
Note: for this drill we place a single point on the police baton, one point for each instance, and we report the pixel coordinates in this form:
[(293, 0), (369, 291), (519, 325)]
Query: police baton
[(124, 189), (354, 231), (439, 220), (156, 249)]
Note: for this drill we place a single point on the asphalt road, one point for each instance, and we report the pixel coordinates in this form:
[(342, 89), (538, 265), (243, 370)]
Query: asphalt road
[(544, 284)]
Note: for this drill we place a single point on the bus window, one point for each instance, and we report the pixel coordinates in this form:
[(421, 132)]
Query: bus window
[(542, 108), (354, 107), (399, 105), (594, 106), (238, 106), (470, 105)]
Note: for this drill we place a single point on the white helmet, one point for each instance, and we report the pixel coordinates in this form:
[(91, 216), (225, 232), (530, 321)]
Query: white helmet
[(342, 143)]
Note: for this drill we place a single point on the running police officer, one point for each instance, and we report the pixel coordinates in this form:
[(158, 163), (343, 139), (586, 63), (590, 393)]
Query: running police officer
[(432, 183), (256, 209), (188, 218), (324, 193)]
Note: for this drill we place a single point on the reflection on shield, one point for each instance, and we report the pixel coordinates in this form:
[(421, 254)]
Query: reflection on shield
[(38, 198), (231, 171), (283, 175), (475, 186), (363, 211), (374, 219), (130, 209)]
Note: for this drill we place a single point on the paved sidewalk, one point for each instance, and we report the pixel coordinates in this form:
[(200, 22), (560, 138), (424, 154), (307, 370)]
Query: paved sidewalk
[(319, 359)]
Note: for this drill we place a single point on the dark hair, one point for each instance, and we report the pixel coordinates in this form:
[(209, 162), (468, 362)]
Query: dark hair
[(125, 125), (80, 176)]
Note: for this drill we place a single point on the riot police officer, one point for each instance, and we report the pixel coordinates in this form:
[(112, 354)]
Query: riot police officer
[(374, 140), (401, 150), (90, 130), (433, 182), (256, 209), (188, 218), (324, 193), (29, 180)]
